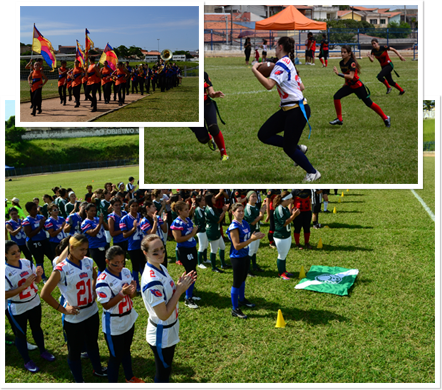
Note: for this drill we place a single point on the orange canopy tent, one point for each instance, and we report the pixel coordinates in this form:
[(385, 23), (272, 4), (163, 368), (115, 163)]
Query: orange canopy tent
[(289, 19)]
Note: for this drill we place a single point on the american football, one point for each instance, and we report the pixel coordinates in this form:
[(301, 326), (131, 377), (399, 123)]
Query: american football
[(266, 68)]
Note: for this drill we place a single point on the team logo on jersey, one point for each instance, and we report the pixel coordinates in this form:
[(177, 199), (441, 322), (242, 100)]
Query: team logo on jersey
[(157, 293), (353, 65), (329, 279), (279, 72), (172, 284), (102, 294), (83, 275), (24, 273), (246, 231)]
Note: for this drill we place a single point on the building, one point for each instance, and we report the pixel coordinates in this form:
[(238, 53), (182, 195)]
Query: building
[(67, 49), (351, 14)]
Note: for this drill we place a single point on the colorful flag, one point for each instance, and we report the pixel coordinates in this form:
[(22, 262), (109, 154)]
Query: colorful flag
[(89, 45), (333, 280), (42, 46), (80, 55), (109, 56)]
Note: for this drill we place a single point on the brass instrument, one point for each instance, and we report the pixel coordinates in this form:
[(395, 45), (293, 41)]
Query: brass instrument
[(166, 55)]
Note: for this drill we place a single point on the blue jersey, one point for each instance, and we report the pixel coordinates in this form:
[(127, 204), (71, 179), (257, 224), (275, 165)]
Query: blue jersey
[(51, 223), (118, 238), (34, 223), (75, 221), (20, 237), (146, 225), (186, 227), (244, 234), (127, 224), (99, 241)]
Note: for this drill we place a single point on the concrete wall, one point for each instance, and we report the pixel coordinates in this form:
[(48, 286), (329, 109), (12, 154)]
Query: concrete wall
[(47, 133)]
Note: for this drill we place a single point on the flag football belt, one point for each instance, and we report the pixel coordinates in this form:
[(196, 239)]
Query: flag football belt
[(299, 104), (18, 302), (121, 315), (217, 110), (392, 67), (86, 306), (291, 107), (164, 326)]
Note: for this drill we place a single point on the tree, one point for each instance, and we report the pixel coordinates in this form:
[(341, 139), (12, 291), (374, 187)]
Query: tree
[(344, 7), (344, 30), (121, 51), (135, 51), (13, 134), (428, 105)]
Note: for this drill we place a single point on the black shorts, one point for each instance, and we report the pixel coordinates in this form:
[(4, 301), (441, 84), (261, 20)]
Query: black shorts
[(326, 192), (323, 54), (188, 257), (310, 53), (264, 53), (316, 208)]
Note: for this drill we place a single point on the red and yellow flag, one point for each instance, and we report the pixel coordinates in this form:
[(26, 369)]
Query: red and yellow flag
[(89, 44), (80, 55), (109, 56), (42, 46)]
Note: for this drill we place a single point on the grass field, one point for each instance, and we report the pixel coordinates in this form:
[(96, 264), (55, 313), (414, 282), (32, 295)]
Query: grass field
[(384, 332), (363, 150), (429, 129)]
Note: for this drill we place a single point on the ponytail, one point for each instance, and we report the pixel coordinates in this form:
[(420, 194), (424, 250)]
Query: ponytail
[(278, 198), (348, 49), (288, 44)]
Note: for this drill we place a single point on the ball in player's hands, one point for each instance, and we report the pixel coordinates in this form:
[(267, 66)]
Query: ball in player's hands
[(266, 68)]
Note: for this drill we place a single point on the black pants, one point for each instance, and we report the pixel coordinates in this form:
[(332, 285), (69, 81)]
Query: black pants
[(247, 53), (210, 124), (162, 374), (76, 91), (107, 90), (70, 93), (141, 84), (62, 93), (123, 245), (188, 257), (303, 221), (138, 260), (99, 258), (36, 100), (385, 73), (291, 122), (127, 86), (86, 91), (93, 95), (162, 79), (134, 86), (147, 82), (53, 247), (240, 268), (98, 89), (360, 92), (323, 54), (121, 91), (26, 252), (121, 354), (154, 81), (39, 249)]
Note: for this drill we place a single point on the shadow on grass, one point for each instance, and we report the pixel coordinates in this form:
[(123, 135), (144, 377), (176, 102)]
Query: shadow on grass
[(337, 225), (346, 248)]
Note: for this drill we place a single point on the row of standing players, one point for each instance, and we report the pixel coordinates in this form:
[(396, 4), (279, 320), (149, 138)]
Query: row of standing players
[(116, 285), (93, 78)]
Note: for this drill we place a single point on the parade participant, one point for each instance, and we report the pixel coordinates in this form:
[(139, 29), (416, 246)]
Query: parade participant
[(35, 81), (106, 82), (247, 50), (147, 77), (264, 50), (114, 220), (140, 78), (77, 74), (130, 72), (200, 221), (74, 220), (36, 239), (303, 202), (184, 234), (160, 297), (211, 129), (30, 66), (253, 215), (240, 236), (294, 113), (282, 236), (84, 82), (93, 229), (213, 231), (62, 83), (16, 232), (120, 83), (76, 276), (381, 54), (54, 226), (130, 226), (94, 78), (21, 278), (323, 51), (115, 288), (69, 80), (350, 69)]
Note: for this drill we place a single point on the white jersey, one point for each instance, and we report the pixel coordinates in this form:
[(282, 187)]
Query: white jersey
[(76, 287), (157, 287), (120, 318), (14, 278), (288, 82)]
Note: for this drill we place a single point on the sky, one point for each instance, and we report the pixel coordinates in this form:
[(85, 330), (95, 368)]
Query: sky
[(9, 109), (175, 27)]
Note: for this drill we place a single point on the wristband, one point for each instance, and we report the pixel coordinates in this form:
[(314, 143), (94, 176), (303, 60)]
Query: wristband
[(341, 75), (57, 307)]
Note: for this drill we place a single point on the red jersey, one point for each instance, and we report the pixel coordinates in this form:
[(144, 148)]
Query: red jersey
[(92, 77), (37, 80), (382, 55), (302, 199), (207, 84), (271, 194), (348, 67), (121, 77), (106, 72)]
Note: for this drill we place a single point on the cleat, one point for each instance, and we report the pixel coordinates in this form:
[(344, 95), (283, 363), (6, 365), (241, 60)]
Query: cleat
[(389, 90), (312, 176), (284, 276), (318, 226), (251, 274), (206, 261), (48, 356), (238, 313), (308, 246), (217, 270), (202, 266), (190, 303), (211, 144), (290, 275), (135, 380), (303, 149), (246, 303), (326, 211), (387, 121), (31, 347), (336, 122), (196, 298), (31, 367), (402, 92), (102, 373), (224, 157), (273, 246), (226, 266), (257, 269), (299, 246)]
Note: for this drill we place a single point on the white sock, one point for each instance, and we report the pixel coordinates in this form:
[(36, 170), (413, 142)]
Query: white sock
[(325, 205)]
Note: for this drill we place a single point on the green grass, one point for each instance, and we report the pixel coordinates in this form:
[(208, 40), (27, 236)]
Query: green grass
[(429, 129), (384, 332), (363, 150), (428, 192)]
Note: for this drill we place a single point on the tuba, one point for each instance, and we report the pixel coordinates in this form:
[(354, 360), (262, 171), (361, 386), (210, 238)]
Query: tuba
[(166, 55)]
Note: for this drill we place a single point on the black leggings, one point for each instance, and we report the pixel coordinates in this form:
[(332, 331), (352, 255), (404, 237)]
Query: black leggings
[(121, 348), (36, 100), (99, 257), (292, 122), (303, 221), (76, 92), (93, 94), (134, 86), (360, 92), (210, 125), (121, 90), (188, 257), (138, 260), (107, 91), (62, 93), (39, 249), (162, 374), (26, 252), (247, 53), (385, 73), (240, 268)]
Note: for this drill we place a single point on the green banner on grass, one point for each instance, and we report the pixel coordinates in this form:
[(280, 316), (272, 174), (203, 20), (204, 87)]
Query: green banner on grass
[(332, 280)]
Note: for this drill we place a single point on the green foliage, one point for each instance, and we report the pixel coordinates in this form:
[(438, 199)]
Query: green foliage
[(428, 104), (13, 134), (339, 34), (396, 31)]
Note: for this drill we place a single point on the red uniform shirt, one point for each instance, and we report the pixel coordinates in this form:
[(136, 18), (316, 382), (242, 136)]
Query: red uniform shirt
[(62, 77), (106, 72), (350, 66), (92, 77), (207, 84), (37, 80), (382, 55), (121, 77)]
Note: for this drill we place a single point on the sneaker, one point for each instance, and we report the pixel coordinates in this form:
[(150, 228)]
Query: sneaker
[(217, 270), (246, 303), (387, 121), (303, 149), (326, 211), (323, 65), (257, 269), (212, 145), (207, 262), (224, 157), (318, 226), (31, 367), (336, 122), (202, 266), (251, 275), (84, 355), (313, 64), (135, 380), (48, 356), (226, 266), (299, 246), (312, 176), (238, 313), (289, 274), (272, 246), (178, 262), (190, 303), (196, 298), (389, 90), (284, 276), (101, 374), (402, 92), (31, 347), (308, 246)]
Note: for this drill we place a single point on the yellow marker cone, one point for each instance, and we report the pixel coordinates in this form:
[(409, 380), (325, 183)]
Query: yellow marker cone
[(342, 194), (280, 323), (334, 211), (348, 190), (302, 273), (320, 244)]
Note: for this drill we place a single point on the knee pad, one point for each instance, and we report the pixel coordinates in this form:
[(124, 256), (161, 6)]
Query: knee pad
[(214, 130)]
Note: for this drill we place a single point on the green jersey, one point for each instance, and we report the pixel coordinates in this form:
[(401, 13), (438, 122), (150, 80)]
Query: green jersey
[(158, 205), (44, 210), (69, 207), (104, 208), (281, 215), (200, 220), (61, 203), (213, 229), (250, 214)]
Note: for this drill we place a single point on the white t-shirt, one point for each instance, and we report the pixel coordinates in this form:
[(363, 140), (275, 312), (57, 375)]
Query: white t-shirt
[(157, 287), (288, 82)]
